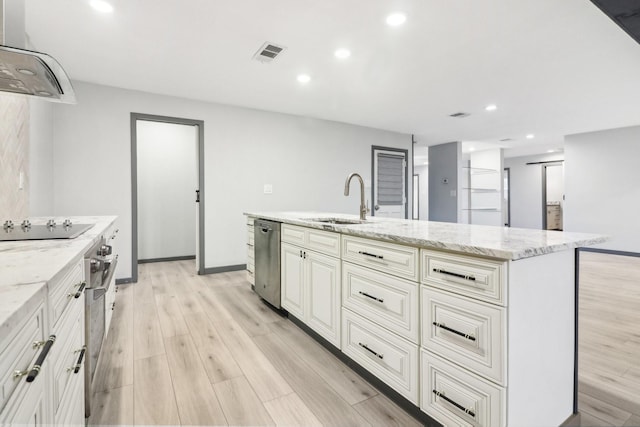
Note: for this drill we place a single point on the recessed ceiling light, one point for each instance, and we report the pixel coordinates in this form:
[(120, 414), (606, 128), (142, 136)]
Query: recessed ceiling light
[(472, 149), (304, 78), (491, 107), (396, 19), (551, 151), (530, 136), (342, 53), (101, 6)]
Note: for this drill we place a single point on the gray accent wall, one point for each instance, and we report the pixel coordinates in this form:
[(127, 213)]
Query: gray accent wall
[(444, 168)]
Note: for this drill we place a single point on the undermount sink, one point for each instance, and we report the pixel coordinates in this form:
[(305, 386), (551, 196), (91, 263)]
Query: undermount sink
[(337, 221)]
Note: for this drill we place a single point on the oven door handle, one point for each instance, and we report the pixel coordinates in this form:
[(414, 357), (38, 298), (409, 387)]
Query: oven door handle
[(106, 278)]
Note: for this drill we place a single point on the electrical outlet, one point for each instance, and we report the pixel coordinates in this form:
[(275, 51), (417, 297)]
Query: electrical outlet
[(268, 189)]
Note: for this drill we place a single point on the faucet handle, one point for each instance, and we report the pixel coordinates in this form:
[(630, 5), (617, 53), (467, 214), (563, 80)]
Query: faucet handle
[(366, 205)]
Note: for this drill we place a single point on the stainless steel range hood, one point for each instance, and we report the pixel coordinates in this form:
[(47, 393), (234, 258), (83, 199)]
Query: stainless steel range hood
[(24, 71), (35, 74)]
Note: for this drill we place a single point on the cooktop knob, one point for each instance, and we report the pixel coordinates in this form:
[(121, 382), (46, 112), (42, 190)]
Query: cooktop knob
[(26, 225), (67, 223), (96, 265), (105, 250), (51, 223), (8, 225)]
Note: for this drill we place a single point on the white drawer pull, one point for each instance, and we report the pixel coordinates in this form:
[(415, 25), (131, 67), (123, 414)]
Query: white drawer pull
[(450, 273), (446, 328), (380, 300), (381, 356), (456, 404), (371, 255)]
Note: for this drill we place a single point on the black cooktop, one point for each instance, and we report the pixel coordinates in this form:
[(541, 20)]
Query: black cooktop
[(27, 231)]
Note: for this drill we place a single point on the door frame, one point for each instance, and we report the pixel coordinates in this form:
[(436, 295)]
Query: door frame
[(508, 172), (406, 173), (134, 184)]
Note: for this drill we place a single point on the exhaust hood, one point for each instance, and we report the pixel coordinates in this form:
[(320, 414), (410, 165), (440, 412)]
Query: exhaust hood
[(35, 74)]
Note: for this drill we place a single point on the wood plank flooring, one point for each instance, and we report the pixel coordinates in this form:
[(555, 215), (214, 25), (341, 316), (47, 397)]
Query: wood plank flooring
[(205, 350), (609, 340), (185, 349)]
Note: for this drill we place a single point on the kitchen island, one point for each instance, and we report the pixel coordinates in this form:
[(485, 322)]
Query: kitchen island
[(42, 324), (475, 325)]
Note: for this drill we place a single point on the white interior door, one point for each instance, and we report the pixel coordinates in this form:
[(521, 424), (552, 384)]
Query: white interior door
[(167, 176), (389, 183)]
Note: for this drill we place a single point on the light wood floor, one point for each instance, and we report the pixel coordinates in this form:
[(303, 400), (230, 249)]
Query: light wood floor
[(609, 340), (204, 350)]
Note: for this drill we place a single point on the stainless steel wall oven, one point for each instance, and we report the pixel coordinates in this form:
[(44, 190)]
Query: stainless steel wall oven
[(99, 267)]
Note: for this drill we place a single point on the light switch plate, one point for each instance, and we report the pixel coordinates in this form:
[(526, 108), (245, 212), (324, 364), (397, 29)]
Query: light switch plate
[(268, 189)]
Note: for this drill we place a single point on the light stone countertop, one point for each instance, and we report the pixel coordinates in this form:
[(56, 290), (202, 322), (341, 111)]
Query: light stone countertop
[(27, 266), (498, 242)]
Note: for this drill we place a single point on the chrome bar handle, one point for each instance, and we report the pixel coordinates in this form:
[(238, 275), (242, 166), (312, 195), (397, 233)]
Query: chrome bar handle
[(453, 331), (450, 273), (454, 403), (380, 300), (366, 347)]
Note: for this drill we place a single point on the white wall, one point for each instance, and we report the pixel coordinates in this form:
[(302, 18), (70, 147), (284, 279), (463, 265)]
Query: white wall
[(306, 160), (167, 174), (526, 189), (41, 158), (602, 190), (555, 183)]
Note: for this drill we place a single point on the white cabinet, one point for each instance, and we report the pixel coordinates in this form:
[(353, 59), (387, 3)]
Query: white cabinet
[(311, 289), (399, 260), (28, 406)]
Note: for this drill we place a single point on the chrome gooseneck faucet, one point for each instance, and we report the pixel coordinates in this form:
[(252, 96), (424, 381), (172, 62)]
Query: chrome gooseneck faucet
[(363, 206)]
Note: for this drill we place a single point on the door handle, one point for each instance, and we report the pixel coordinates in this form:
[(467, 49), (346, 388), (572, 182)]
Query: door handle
[(197, 196)]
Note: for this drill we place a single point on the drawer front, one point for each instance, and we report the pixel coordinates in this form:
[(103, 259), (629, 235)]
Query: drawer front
[(386, 355), (293, 234), (70, 336), (381, 298), (465, 331), (386, 257), (63, 291), (456, 397), (250, 221), (250, 278), (326, 242), (19, 354), (466, 275), (250, 240)]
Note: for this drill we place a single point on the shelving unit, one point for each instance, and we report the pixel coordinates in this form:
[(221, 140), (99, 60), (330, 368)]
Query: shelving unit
[(483, 190)]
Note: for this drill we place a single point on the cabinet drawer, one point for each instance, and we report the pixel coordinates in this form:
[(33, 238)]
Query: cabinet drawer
[(18, 353), (63, 291), (466, 275), (381, 298), (250, 278), (456, 397), (392, 359), (250, 221), (386, 257), (465, 331), (64, 356), (250, 240), (326, 242), (293, 234)]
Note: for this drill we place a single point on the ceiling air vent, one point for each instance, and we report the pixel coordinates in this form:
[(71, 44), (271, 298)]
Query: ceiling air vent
[(459, 115), (506, 139), (268, 52)]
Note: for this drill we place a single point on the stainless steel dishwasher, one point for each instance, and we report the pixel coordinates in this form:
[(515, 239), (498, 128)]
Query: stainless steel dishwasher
[(267, 260)]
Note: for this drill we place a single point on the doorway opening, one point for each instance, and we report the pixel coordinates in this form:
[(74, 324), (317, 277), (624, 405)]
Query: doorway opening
[(506, 197), (389, 183), (552, 196), (167, 190)]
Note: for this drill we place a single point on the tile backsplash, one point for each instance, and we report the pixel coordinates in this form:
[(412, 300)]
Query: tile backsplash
[(14, 157)]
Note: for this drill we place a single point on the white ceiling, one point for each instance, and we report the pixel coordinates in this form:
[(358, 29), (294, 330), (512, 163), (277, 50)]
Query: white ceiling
[(552, 67)]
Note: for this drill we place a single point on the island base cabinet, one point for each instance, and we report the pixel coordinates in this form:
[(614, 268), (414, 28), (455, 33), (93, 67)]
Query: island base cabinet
[(455, 397), (389, 357), (311, 290)]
